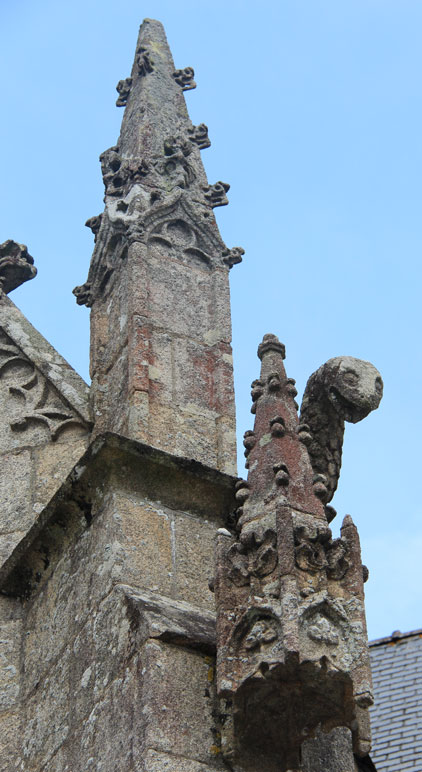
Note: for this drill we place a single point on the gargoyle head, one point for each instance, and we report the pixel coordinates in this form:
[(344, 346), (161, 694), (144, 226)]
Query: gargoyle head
[(353, 387)]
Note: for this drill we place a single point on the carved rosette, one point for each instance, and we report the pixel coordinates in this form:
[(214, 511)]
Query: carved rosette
[(290, 606)]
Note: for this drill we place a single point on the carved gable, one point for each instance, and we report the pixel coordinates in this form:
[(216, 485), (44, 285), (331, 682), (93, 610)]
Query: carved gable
[(44, 423)]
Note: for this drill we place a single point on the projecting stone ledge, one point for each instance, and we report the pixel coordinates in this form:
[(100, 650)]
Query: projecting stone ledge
[(145, 489)]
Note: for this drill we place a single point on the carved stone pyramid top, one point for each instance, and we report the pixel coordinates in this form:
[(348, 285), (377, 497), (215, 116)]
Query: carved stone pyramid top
[(158, 285)]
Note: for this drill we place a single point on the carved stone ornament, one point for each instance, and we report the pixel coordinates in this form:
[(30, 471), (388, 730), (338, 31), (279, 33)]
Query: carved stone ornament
[(34, 400), (233, 256), (94, 223), (16, 265), (123, 88), (343, 389), (83, 295), (179, 236), (258, 558), (216, 194), (316, 550), (185, 78), (174, 165), (291, 646), (199, 136), (144, 61), (120, 174)]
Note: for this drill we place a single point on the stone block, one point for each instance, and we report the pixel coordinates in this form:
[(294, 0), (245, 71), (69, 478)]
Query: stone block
[(181, 297), (10, 645), (177, 702), (108, 733), (53, 463), (139, 345), (10, 735), (187, 432), (47, 715), (15, 491), (329, 752), (194, 564), (143, 532)]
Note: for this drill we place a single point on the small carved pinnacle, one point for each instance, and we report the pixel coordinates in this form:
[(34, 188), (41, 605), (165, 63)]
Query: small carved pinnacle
[(16, 266), (271, 343)]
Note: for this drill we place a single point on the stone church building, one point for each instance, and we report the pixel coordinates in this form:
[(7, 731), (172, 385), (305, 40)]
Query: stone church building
[(158, 613)]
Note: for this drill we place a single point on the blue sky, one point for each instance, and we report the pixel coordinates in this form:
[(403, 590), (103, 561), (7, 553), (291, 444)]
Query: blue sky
[(314, 113)]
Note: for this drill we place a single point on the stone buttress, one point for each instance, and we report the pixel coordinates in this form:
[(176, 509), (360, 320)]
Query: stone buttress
[(107, 621), (292, 656), (161, 362)]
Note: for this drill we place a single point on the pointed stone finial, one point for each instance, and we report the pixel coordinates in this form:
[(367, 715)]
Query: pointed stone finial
[(16, 266), (156, 244)]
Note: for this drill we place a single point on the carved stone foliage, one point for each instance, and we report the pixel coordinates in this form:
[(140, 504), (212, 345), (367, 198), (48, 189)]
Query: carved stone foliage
[(123, 88), (215, 194), (316, 550), (83, 295), (185, 78), (323, 630), (262, 632), (32, 400), (199, 136), (144, 61), (16, 265), (119, 174), (257, 558), (233, 256)]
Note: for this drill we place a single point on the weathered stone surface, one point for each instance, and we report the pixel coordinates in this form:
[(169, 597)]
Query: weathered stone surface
[(160, 762), (158, 281), (10, 738), (15, 491), (143, 532), (329, 752), (176, 690), (52, 464), (194, 562), (107, 640)]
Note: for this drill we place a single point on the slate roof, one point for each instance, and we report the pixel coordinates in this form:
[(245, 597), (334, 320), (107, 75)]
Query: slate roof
[(396, 717)]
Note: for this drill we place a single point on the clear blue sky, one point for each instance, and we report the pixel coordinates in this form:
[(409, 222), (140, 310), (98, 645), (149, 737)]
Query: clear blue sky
[(314, 113)]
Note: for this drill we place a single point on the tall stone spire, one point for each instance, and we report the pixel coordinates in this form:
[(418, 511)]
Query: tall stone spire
[(158, 288), (291, 635)]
